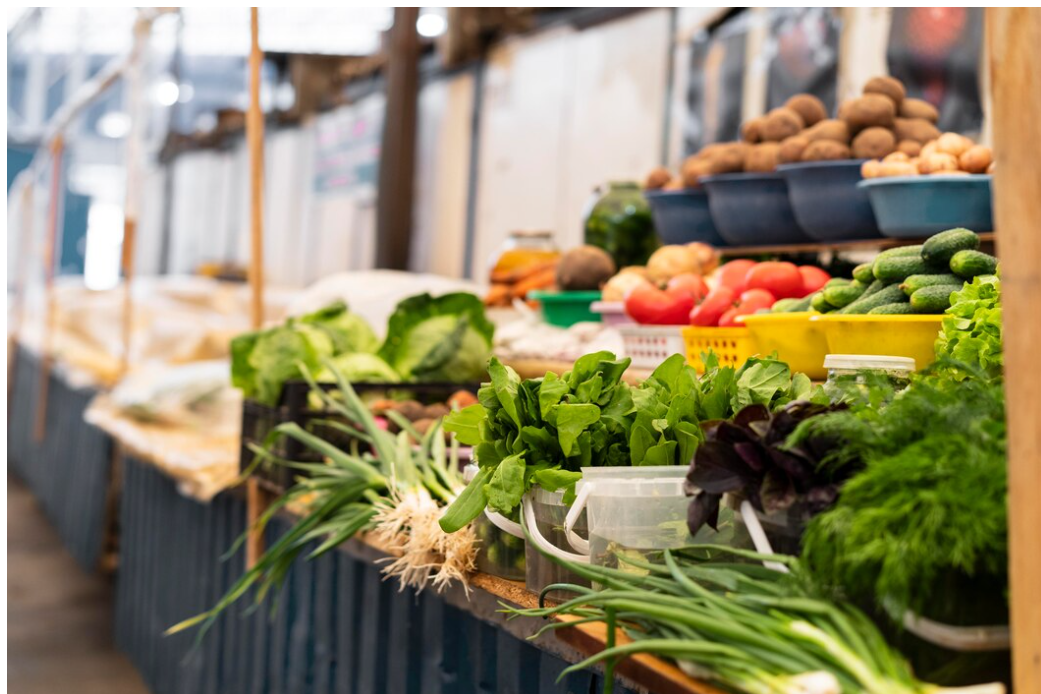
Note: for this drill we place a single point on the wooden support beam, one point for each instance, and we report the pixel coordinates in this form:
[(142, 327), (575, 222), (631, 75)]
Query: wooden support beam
[(1014, 40), (256, 498), (398, 151)]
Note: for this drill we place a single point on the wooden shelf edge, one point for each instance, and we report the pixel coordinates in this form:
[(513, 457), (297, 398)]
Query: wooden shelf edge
[(880, 243)]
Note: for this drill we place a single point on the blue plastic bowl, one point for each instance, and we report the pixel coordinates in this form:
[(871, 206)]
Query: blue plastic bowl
[(919, 206), (752, 209), (827, 202), (682, 216)]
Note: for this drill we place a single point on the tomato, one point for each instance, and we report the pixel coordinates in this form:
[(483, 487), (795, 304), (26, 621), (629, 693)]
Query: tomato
[(752, 300), (813, 278), (783, 280), (718, 301), (733, 274), (648, 305), (688, 283), (729, 319)]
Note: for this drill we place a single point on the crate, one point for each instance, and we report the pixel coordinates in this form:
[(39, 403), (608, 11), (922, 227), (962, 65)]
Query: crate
[(259, 419), (733, 346), (650, 345)]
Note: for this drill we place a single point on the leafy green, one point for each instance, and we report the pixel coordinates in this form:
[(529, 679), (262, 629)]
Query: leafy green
[(972, 326), (348, 331), (359, 368), (930, 501), (445, 338)]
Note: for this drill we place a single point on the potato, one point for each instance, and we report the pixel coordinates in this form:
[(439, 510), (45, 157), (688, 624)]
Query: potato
[(937, 163), (729, 159), (887, 86), (657, 178), (810, 108), (822, 150), (928, 149), (694, 168), (976, 159), (781, 123), (669, 261), (897, 168), (873, 143), (763, 157), (867, 111), (791, 149), (896, 156), (917, 129), (990, 169), (584, 268), (871, 168), (909, 147), (674, 184), (752, 131), (918, 108), (621, 284), (829, 129), (953, 144)]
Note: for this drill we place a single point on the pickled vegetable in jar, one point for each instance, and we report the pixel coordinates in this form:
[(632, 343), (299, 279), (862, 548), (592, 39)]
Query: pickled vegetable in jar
[(522, 250), (619, 222), (852, 376)]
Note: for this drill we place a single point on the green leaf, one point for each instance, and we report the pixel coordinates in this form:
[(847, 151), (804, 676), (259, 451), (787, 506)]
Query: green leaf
[(641, 439), (506, 382), (506, 487), (470, 503), (663, 453), (550, 392), (464, 424), (554, 478), (670, 371), (759, 380), (571, 421)]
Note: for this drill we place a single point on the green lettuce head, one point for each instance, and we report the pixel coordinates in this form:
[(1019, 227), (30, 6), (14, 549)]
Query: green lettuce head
[(348, 331), (261, 362), (447, 338)]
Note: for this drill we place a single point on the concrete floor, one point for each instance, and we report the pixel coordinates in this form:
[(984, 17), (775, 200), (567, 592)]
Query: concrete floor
[(59, 618)]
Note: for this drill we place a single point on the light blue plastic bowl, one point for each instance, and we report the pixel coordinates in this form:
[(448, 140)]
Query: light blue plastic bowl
[(911, 207)]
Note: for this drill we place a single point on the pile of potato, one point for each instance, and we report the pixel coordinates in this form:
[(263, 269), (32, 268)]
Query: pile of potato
[(950, 153), (882, 124)]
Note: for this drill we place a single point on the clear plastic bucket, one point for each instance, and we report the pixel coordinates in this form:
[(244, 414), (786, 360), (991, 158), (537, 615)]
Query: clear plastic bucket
[(544, 515), (500, 541)]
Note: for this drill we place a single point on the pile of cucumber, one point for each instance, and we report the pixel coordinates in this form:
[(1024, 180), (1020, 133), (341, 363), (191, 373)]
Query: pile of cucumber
[(909, 279)]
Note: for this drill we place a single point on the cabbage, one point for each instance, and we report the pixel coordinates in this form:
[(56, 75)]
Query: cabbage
[(348, 331), (447, 338), (261, 362), (360, 368)]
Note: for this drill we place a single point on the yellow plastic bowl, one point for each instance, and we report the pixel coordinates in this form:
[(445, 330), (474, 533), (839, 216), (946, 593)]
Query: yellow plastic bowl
[(894, 336), (733, 346), (796, 338)]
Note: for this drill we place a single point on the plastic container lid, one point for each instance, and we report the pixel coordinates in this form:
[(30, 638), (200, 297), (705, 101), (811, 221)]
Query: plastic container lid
[(868, 361)]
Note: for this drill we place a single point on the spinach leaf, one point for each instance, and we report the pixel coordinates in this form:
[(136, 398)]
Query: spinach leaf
[(506, 487), (572, 420)]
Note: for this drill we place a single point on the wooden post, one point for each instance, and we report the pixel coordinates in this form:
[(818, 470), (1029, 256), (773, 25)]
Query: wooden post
[(54, 227), (1014, 40), (255, 495), (398, 150)]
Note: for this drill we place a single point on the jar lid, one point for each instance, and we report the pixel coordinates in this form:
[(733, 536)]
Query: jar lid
[(531, 234), (868, 361)]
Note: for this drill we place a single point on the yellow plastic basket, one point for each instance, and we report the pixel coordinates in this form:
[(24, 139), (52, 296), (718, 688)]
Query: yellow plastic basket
[(797, 340), (893, 336), (733, 346)]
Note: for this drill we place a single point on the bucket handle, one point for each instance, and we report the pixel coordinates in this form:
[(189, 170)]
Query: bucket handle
[(504, 524), (528, 520), (573, 513), (759, 539)]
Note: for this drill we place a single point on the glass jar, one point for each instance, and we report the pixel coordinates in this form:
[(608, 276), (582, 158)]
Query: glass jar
[(498, 552), (851, 377), (619, 221), (522, 250)]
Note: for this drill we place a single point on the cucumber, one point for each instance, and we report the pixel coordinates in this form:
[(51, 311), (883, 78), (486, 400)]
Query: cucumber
[(941, 247), (891, 294), (800, 305), (844, 295), (968, 264), (900, 251), (819, 304), (784, 305), (892, 309), (836, 282), (934, 299), (863, 273), (898, 268), (916, 282), (875, 286)]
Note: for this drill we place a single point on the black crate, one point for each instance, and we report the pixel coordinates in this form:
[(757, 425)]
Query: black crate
[(259, 419)]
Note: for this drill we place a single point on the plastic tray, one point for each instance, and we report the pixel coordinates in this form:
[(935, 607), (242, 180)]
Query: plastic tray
[(650, 345), (796, 338), (564, 309), (682, 216), (894, 336), (827, 202), (753, 209), (920, 206), (733, 346), (612, 313)]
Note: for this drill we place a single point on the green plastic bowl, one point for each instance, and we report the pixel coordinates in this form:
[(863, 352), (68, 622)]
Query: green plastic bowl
[(564, 309)]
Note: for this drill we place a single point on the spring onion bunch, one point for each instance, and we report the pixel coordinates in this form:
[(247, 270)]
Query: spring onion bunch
[(746, 627), (350, 492)]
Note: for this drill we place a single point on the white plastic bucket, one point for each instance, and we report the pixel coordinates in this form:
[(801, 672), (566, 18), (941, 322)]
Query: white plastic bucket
[(543, 514)]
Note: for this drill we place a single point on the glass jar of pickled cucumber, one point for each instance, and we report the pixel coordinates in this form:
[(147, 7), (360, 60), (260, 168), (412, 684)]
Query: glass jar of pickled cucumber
[(852, 377), (619, 221), (499, 553)]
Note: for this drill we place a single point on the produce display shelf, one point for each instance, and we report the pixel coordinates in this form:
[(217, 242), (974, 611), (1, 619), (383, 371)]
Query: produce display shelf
[(837, 246)]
